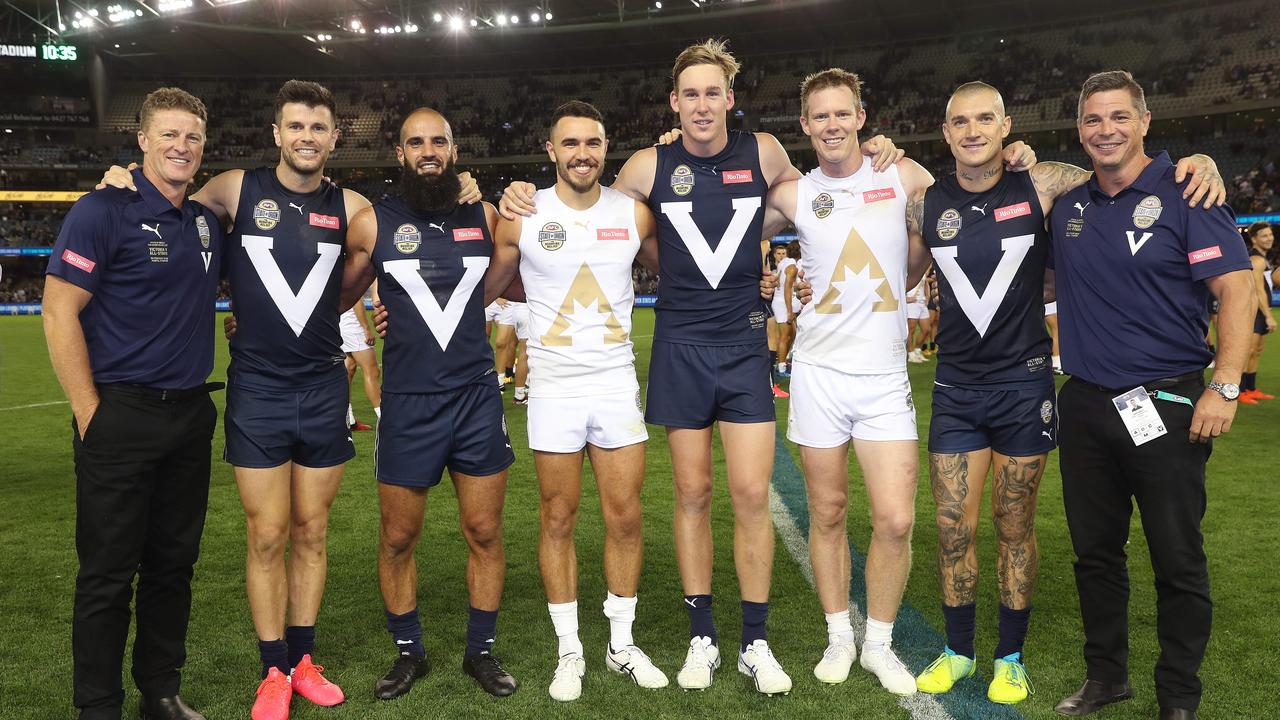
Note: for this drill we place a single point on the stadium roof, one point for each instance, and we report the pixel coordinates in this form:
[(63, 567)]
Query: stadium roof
[(356, 36)]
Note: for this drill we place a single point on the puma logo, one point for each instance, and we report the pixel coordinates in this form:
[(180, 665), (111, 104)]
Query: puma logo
[(437, 226), (152, 228), (1081, 208), (982, 209), (1047, 434), (581, 223), (296, 207)]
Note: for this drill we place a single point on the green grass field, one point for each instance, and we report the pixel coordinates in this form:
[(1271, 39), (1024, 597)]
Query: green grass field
[(38, 565)]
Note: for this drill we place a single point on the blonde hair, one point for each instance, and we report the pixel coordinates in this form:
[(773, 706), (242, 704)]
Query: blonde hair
[(171, 98), (831, 78), (708, 52)]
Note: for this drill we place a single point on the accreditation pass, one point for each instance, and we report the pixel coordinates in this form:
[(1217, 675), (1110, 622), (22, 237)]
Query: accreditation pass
[(1139, 415)]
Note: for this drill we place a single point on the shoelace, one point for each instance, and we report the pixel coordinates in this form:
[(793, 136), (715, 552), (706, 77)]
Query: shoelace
[(833, 652), (567, 667), (697, 654), (1018, 676), (314, 669), (892, 659)]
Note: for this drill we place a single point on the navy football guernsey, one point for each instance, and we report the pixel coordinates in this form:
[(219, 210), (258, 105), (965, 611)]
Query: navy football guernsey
[(430, 270), (710, 215), (989, 249), (284, 261)]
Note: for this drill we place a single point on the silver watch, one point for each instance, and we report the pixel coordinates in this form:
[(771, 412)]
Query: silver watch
[(1228, 391)]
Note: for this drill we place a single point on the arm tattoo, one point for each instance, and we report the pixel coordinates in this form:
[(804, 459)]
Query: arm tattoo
[(1018, 560), (1055, 178), (957, 559), (915, 214)]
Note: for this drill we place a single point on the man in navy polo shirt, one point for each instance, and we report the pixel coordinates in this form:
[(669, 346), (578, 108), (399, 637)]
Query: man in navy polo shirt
[(1134, 270), (128, 314)]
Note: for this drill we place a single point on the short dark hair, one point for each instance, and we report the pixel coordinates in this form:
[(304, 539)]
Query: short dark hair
[(1112, 80), (1257, 227), (311, 94), (575, 108)]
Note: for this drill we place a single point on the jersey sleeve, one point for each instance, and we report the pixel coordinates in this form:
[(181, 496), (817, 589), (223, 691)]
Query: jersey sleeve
[(83, 244), (1213, 244)]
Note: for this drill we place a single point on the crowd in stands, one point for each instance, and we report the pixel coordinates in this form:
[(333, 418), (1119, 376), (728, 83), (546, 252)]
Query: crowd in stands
[(30, 224)]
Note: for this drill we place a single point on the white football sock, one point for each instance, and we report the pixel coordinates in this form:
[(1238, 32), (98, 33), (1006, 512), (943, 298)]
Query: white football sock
[(351, 416), (839, 627), (621, 612), (564, 618), (879, 634)]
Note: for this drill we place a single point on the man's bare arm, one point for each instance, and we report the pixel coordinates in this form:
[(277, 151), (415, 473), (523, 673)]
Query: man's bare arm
[(1234, 290), (354, 202), (505, 264), (358, 270), (68, 351), (647, 226), (775, 164), (637, 174), (915, 181), (779, 207)]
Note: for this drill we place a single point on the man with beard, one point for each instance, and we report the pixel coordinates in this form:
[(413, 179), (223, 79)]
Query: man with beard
[(285, 420), (441, 407), (575, 263)]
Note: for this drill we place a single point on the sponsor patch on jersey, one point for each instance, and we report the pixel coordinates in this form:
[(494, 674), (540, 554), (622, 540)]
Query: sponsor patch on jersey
[(949, 224), (464, 234), (1038, 364), (757, 319), (266, 214), (613, 233), (1147, 212), (552, 236), (1074, 227), (324, 221), (1010, 212), (877, 195), (77, 260), (158, 251), (682, 180), (822, 205), (407, 238), (732, 177), (1200, 256), (202, 229), (1046, 411)]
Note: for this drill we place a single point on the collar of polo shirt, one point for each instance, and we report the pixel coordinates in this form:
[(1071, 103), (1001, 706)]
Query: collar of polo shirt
[(151, 195), (1147, 182)]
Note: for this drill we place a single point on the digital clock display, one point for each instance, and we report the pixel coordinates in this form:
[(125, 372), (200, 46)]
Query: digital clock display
[(63, 53)]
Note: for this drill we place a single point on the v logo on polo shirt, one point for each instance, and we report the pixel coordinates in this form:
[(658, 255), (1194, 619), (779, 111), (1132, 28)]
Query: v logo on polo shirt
[(713, 263), (442, 321), (296, 309), (981, 309), (1135, 246)]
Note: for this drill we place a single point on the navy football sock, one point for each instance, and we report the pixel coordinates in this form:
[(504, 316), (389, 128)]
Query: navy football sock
[(961, 621), (754, 616), (482, 627), (407, 632), (274, 654), (1013, 630), (301, 639), (701, 622)]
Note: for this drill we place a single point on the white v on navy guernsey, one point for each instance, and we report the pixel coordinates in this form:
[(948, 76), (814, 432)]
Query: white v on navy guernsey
[(430, 270), (1130, 272), (284, 261), (153, 270), (710, 215), (990, 249)]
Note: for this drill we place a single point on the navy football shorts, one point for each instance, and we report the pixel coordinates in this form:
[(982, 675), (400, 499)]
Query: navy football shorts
[(421, 434), (267, 428), (1017, 421), (692, 386)]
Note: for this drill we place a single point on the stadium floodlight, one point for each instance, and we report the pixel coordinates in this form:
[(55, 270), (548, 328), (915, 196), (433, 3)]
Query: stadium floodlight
[(93, 12), (501, 19), (399, 28), (79, 15), (455, 23), (658, 4), (515, 19), (436, 17), (546, 16), (173, 5), (475, 22), (534, 17), (355, 24)]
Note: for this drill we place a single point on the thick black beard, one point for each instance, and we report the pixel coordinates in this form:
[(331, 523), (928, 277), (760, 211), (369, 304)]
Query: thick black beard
[(427, 193)]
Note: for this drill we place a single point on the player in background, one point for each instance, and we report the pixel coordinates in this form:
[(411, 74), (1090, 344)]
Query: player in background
[(358, 341)]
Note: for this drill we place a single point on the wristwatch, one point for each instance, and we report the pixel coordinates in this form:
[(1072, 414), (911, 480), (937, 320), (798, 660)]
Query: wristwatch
[(1228, 391)]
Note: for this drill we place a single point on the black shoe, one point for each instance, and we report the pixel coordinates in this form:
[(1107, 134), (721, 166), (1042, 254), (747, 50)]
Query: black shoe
[(1177, 714), (400, 678), (1091, 696), (488, 672), (167, 708)]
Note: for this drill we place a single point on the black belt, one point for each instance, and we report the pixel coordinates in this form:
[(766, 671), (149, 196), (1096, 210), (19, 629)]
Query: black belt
[(160, 393), (1160, 384)]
